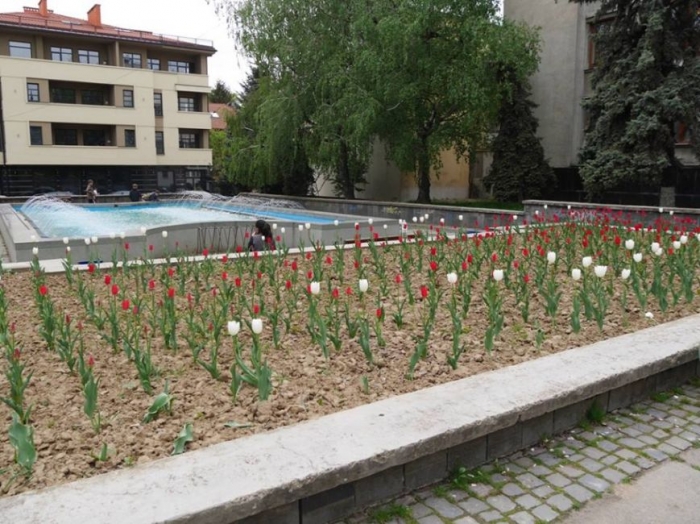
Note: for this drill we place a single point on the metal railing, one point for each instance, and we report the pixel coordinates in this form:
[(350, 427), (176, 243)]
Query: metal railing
[(85, 27)]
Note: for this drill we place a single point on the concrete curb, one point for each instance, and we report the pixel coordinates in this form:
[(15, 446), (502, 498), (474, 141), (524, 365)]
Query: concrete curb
[(321, 470)]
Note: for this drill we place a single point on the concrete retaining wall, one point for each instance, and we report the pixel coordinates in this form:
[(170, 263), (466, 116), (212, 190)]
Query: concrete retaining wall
[(322, 470)]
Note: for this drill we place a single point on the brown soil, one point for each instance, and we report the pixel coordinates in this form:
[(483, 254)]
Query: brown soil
[(306, 385)]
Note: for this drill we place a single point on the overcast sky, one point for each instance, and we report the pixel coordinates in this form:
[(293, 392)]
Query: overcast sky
[(191, 18)]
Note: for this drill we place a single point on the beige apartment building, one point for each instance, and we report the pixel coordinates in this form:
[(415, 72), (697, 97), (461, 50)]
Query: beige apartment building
[(83, 100)]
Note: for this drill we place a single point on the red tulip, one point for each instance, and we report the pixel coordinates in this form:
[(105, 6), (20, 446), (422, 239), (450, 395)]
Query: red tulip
[(151, 284), (433, 265), (126, 246), (335, 293), (464, 266), (288, 284), (494, 258), (295, 266), (329, 260), (256, 309), (526, 278), (237, 281), (380, 313), (224, 259), (150, 247), (171, 272), (108, 280), (224, 276), (43, 290), (424, 291), (91, 268), (205, 252), (90, 361), (16, 355), (125, 305), (348, 291), (310, 275), (398, 279), (433, 251), (171, 292), (115, 290)]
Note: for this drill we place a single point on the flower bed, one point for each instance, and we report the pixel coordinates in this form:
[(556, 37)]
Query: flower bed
[(108, 368)]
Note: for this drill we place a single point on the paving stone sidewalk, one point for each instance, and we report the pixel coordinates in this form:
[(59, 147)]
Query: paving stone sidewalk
[(545, 483)]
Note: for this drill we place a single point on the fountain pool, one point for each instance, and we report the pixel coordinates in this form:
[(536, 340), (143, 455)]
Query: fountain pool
[(66, 220)]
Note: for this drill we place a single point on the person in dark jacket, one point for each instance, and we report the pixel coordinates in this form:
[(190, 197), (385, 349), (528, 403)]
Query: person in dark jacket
[(135, 195), (261, 239)]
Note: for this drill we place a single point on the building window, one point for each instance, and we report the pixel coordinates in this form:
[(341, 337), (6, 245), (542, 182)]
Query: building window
[(93, 97), (62, 54), (33, 92), (132, 60), (158, 103), (62, 95), (177, 66), (189, 140), (85, 56), (160, 143), (65, 137), (154, 64), (36, 138), (185, 103), (21, 49), (130, 137), (94, 137), (128, 98)]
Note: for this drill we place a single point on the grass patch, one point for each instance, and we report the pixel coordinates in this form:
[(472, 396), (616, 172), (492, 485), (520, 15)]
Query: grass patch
[(462, 478), (441, 491), (595, 413), (661, 396), (392, 512)]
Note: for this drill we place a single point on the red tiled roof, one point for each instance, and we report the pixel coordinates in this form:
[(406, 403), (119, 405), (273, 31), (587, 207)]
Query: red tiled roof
[(221, 111), (32, 19)]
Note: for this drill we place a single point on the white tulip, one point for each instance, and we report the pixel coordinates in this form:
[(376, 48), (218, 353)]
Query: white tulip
[(629, 244), (67, 249), (427, 216), (576, 273), (421, 220), (670, 212), (452, 278), (626, 274), (649, 314), (282, 230), (637, 257), (536, 212), (515, 217), (87, 241), (661, 210), (545, 207), (307, 225), (659, 252), (93, 240), (256, 325), (568, 207), (415, 219), (315, 288), (122, 235), (386, 226), (600, 271), (274, 226), (587, 261), (363, 285), (655, 246), (301, 227), (676, 245), (698, 236), (35, 251), (442, 221), (684, 239), (233, 327), (551, 257), (65, 240), (335, 223), (32, 238), (370, 221), (143, 230), (460, 217), (165, 234), (498, 275)]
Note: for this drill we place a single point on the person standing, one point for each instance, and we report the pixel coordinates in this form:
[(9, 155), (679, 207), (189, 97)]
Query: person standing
[(91, 192), (135, 194)]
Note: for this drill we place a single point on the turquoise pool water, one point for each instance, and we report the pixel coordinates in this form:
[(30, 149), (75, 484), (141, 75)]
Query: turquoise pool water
[(67, 220)]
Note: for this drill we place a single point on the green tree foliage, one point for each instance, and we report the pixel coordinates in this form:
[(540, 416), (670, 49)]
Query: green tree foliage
[(519, 170), (646, 81), (221, 94), (417, 73), (262, 147), (435, 72)]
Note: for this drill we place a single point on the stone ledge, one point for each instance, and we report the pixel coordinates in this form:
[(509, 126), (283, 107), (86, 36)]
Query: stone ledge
[(315, 460)]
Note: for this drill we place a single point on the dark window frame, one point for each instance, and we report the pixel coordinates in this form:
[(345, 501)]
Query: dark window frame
[(151, 62), (61, 54), (88, 56), (34, 139), (65, 136), (17, 45), (132, 60), (188, 140), (128, 100), (180, 66), (158, 103), (95, 137), (160, 143), (33, 92), (63, 95), (130, 138), (92, 97), (186, 104)]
